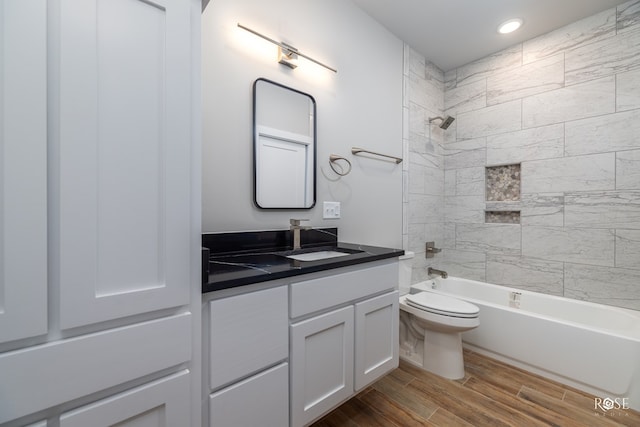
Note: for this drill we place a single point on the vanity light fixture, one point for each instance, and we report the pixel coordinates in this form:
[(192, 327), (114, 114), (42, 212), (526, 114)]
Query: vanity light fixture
[(510, 26), (287, 54)]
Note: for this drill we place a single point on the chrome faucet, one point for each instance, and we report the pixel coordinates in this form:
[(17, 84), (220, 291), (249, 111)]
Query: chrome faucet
[(295, 228), (441, 273)]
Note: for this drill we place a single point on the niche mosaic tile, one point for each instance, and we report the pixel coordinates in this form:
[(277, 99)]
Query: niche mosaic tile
[(502, 217), (503, 183)]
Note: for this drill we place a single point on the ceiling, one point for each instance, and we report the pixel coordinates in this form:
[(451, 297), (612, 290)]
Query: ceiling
[(451, 33)]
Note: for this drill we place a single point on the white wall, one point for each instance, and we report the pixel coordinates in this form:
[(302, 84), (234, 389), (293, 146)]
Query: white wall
[(361, 106)]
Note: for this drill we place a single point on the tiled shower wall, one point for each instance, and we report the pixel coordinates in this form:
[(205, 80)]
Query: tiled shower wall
[(566, 106), (423, 168)]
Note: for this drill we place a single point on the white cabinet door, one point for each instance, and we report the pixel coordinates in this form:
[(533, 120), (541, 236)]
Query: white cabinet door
[(248, 333), (261, 400), (123, 158), (376, 342), (158, 404), (23, 169), (321, 364)]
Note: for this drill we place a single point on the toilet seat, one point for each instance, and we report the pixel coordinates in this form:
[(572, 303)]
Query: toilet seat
[(442, 305)]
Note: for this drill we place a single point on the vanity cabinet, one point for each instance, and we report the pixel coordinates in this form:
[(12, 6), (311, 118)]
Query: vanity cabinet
[(246, 357), (344, 336)]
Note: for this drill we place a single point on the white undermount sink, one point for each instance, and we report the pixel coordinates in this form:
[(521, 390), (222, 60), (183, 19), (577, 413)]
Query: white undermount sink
[(316, 256)]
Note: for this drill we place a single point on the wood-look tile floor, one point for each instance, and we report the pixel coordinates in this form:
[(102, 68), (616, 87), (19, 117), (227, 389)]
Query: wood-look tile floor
[(491, 394)]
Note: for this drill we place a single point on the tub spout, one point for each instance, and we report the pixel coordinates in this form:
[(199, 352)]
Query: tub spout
[(441, 273)]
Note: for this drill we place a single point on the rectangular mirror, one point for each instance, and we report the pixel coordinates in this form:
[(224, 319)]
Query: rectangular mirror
[(284, 147)]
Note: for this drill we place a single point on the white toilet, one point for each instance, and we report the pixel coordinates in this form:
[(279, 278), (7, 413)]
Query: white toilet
[(431, 326)]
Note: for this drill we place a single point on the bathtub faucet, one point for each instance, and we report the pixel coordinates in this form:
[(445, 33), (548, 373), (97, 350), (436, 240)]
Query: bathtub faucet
[(441, 273)]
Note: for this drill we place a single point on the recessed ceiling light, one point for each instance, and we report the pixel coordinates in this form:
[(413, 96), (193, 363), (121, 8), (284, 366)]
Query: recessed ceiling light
[(510, 26)]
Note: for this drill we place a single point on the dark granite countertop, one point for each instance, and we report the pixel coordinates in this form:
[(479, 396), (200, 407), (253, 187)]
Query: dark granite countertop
[(256, 260)]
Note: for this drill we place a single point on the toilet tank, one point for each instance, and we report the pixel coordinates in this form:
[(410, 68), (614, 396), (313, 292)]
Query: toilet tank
[(404, 279)]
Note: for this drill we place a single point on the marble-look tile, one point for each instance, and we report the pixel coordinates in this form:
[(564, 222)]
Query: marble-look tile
[(416, 180), (465, 154), (588, 30), (433, 181), (464, 209), (604, 58), (628, 248), (611, 286), (612, 209), (526, 273), (449, 241), (416, 62), (451, 134), (546, 209), (417, 119), (416, 234), (466, 264), (530, 79), (432, 72), (581, 173), (426, 93), (503, 206), (424, 151), (530, 144), (492, 120), (490, 238), (450, 182), (628, 170), (575, 102), (612, 132), (628, 16), (478, 70), (466, 97), (450, 79), (628, 90), (579, 245), (470, 182), (424, 209)]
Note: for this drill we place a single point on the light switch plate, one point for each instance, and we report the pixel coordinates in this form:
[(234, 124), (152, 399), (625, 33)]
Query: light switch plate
[(331, 210)]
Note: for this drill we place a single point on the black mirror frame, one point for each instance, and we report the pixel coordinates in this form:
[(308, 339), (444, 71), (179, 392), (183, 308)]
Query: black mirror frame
[(255, 142)]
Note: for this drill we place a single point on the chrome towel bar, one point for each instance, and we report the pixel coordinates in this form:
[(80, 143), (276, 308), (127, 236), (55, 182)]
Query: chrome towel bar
[(356, 150)]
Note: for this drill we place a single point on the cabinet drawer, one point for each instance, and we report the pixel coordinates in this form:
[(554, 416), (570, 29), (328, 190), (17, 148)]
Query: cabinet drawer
[(321, 293), (161, 403), (261, 400), (248, 333)]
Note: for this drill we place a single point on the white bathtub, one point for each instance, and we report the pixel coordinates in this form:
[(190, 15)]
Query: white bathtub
[(592, 347)]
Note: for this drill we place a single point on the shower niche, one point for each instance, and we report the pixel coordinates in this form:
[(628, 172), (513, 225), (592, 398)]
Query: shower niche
[(502, 190)]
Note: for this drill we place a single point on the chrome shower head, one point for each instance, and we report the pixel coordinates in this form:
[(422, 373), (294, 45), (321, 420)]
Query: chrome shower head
[(446, 121)]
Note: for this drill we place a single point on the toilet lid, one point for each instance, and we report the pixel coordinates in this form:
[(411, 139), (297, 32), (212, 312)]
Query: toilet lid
[(442, 304)]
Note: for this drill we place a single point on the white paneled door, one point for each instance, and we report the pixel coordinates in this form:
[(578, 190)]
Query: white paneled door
[(124, 158), (23, 169)]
